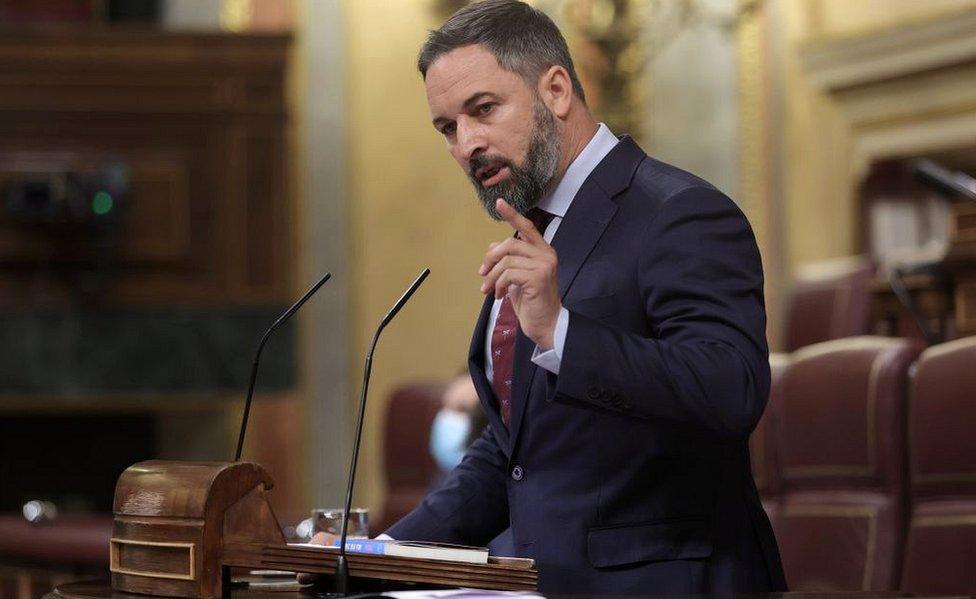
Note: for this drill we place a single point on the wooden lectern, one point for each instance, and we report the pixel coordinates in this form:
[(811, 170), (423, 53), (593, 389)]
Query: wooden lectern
[(180, 526)]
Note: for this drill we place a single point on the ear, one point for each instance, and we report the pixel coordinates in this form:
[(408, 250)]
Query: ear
[(556, 90)]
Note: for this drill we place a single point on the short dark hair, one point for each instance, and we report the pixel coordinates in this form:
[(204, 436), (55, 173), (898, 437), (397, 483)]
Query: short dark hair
[(523, 39)]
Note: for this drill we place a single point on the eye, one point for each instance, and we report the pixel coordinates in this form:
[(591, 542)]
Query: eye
[(449, 129), (486, 108)]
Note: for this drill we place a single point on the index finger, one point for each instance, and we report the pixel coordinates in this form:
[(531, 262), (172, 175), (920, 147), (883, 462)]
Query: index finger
[(527, 230)]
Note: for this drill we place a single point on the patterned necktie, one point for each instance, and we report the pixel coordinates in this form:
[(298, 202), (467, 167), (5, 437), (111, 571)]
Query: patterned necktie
[(503, 337)]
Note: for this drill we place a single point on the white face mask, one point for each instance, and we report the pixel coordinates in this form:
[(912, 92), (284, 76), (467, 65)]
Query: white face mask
[(448, 438)]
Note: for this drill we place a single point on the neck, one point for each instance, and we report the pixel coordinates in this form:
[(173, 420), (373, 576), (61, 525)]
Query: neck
[(575, 139)]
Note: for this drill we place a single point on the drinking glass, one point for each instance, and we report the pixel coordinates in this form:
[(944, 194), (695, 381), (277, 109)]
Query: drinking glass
[(330, 520)]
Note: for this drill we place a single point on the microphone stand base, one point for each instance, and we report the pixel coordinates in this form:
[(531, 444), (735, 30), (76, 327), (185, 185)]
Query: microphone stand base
[(342, 575)]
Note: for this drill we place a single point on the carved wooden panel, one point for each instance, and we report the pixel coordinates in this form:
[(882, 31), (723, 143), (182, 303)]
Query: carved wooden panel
[(197, 120)]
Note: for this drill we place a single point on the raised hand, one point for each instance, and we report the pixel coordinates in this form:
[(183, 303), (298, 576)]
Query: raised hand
[(524, 267)]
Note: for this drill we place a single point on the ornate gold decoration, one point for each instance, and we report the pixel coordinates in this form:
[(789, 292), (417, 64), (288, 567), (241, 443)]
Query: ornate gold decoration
[(607, 42)]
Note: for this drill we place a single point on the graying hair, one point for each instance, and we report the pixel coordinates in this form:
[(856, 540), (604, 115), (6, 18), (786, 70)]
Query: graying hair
[(523, 39)]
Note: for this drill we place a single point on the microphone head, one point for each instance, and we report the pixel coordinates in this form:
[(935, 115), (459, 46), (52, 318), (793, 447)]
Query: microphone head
[(406, 296), (948, 183), (257, 356)]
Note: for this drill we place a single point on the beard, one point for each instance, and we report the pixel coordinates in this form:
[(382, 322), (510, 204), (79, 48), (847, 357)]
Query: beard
[(526, 184)]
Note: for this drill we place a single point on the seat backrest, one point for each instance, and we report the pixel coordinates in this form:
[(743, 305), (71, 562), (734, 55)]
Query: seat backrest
[(841, 432), (940, 555), (408, 467), (828, 300)]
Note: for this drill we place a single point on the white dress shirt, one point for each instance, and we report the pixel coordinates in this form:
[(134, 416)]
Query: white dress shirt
[(557, 203)]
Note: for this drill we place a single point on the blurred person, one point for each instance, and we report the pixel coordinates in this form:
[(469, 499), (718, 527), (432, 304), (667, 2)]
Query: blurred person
[(620, 355), (456, 425)]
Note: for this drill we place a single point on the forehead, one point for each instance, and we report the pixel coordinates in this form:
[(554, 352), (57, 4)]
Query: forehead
[(456, 75)]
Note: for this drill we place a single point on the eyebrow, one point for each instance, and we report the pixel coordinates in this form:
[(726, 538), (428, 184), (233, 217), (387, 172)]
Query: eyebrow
[(472, 99)]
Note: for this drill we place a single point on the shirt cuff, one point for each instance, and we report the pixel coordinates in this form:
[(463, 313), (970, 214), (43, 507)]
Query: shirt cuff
[(550, 359), (384, 537)]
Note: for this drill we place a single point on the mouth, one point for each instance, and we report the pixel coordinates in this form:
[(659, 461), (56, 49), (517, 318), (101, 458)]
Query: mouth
[(491, 175)]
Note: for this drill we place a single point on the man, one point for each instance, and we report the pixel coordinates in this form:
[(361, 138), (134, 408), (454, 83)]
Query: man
[(620, 355)]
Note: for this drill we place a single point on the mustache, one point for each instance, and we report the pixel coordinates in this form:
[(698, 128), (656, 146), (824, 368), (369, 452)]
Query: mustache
[(487, 160)]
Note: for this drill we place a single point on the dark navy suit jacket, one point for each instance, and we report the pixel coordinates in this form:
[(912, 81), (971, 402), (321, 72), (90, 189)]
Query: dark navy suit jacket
[(629, 471)]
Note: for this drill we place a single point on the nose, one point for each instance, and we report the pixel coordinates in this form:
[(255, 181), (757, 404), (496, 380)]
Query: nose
[(471, 140)]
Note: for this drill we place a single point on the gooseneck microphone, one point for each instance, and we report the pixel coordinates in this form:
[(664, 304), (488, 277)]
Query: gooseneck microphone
[(949, 183), (257, 356), (342, 566)]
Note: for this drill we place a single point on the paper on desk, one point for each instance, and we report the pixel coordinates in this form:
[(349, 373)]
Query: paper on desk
[(461, 593)]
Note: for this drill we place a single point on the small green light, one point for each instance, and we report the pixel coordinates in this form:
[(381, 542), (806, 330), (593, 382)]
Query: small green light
[(102, 203)]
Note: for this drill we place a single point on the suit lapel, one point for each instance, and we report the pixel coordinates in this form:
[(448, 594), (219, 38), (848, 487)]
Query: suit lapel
[(577, 235), (592, 209), (476, 366)]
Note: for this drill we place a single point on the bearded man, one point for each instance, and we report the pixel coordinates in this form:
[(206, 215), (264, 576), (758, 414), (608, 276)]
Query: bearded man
[(620, 355)]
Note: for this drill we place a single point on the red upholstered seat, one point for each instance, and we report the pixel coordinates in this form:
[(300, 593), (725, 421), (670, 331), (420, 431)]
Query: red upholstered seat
[(828, 300), (940, 554), (408, 465), (840, 427)]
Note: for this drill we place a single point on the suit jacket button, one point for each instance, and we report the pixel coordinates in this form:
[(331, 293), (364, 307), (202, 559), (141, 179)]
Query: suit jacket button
[(517, 473)]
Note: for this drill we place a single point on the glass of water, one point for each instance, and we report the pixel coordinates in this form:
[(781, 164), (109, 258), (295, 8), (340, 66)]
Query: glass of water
[(330, 521)]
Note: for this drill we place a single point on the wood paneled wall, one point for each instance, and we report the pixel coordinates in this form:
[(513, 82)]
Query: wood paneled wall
[(199, 121)]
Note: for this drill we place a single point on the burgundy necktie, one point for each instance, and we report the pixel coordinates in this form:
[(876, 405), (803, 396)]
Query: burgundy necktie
[(503, 337)]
